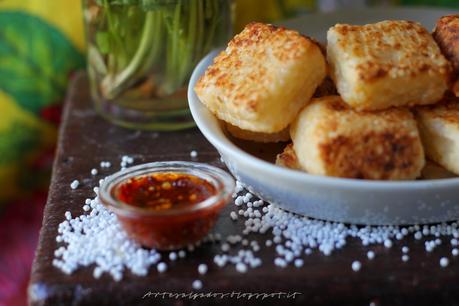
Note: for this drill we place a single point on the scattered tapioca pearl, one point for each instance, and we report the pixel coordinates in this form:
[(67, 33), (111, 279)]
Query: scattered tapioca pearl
[(105, 164), (405, 258), (94, 171), (193, 154), (225, 247), (97, 238), (280, 262), (233, 216), (239, 201), (74, 184), (293, 236), (444, 262), (356, 266), (258, 203), (125, 161), (197, 284), (93, 204), (298, 262), (388, 243), (97, 273), (238, 187), (161, 267), (425, 231), (68, 215), (241, 267), (86, 207), (370, 255), (172, 256), (202, 269), (430, 245), (455, 252), (220, 260), (233, 239), (405, 249), (59, 251)]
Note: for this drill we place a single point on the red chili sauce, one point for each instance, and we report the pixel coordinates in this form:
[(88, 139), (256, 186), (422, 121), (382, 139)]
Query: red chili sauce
[(158, 192), (162, 191)]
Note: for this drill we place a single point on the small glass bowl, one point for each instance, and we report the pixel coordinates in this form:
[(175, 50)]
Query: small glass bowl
[(172, 228)]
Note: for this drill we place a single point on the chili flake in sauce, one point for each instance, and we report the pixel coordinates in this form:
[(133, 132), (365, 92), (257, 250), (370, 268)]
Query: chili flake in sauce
[(164, 190)]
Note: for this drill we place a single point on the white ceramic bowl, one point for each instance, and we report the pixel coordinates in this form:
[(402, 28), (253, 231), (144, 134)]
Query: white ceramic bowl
[(328, 198)]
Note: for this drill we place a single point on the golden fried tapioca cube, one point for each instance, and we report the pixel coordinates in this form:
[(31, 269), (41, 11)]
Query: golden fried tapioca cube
[(389, 63), (263, 78), (439, 127), (332, 139), (446, 34)]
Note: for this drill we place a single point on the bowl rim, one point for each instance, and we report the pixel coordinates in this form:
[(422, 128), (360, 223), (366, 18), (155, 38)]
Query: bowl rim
[(229, 148)]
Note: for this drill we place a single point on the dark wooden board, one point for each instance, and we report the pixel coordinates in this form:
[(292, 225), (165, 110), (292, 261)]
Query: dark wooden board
[(86, 139)]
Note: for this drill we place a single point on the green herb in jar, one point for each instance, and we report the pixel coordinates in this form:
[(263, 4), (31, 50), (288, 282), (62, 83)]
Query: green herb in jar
[(148, 48)]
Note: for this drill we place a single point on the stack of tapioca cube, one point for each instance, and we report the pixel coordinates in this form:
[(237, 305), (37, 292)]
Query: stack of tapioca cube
[(375, 105)]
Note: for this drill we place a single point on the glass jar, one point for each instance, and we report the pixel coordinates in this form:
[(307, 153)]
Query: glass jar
[(141, 54)]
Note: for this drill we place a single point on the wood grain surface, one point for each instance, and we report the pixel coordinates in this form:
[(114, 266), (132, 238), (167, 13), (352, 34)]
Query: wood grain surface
[(86, 139)]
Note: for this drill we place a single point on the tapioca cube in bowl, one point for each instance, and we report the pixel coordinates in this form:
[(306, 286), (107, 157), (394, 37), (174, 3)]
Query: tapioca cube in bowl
[(263, 78), (332, 139), (389, 63)]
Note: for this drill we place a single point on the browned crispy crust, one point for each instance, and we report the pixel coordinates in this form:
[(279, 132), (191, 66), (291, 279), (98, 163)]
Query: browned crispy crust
[(253, 34), (372, 153), (330, 138), (377, 65), (389, 63), (288, 158), (263, 78), (375, 35), (446, 34), (446, 110)]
